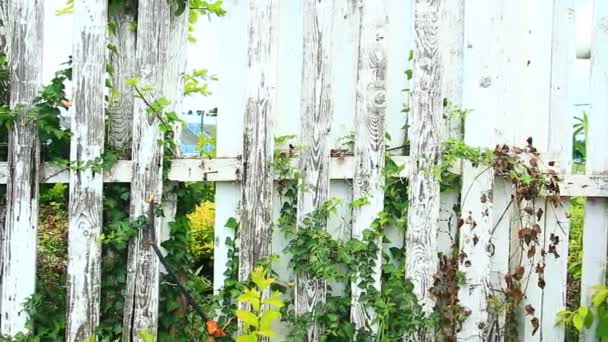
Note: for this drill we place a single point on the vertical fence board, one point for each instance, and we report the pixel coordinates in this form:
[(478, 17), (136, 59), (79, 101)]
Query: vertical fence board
[(425, 136), (596, 209), (560, 109), (345, 44), (257, 173), (369, 144), (19, 244), (316, 117), (231, 107), (141, 296), (86, 186), (120, 106), (451, 37), (483, 199)]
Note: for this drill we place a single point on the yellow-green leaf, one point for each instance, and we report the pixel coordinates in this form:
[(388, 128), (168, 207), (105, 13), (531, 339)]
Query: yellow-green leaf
[(274, 300), (267, 318), (599, 297), (247, 338), (266, 332), (258, 276), (578, 321), (247, 317), (251, 296)]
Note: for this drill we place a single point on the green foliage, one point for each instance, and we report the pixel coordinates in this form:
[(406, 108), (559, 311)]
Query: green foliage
[(257, 322), (199, 8), (196, 82)]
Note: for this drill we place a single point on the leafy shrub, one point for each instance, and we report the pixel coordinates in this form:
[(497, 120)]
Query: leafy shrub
[(202, 220)]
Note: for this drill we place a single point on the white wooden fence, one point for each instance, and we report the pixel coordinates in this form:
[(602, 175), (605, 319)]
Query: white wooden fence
[(323, 70)]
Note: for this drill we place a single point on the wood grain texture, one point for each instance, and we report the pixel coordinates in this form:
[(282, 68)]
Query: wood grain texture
[(560, 108), (19, 239), (316, 116), (595, 233), (425, 138), (257, 173), (87, 144), (120, 107), (141, 296), (369, 144)]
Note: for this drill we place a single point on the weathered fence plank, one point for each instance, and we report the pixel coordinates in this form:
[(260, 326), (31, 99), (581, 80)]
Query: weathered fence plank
[(483, 232), (316, 116), (120, 106), (557, 222), (257, 173), (86, 185), (19, 238), (141, 296), (595, 233), (451, 44), (425, 139), (369, 144)]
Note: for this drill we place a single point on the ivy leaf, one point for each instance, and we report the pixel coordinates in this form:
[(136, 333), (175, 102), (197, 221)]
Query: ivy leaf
[(258, 276), (274, 300), (247, 338), (231, 223), (247, 317)]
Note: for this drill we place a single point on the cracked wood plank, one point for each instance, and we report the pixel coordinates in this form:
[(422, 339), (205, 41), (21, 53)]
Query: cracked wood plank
[(316, 116), (19, 239), (369, 145), (141, 295), (86, 186)]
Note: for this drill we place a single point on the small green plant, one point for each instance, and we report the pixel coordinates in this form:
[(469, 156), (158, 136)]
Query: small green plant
[(257, 321)]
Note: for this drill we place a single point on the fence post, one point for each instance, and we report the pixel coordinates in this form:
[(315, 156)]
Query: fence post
[(369, 145), (483, 250), (19, 245), (316, 116), (86, 185), (595, 233), (141, 296), (257, 173), (425, 139), (560, 109)]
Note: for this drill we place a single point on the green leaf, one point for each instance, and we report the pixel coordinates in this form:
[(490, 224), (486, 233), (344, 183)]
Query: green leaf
[(578, 321), (231, 223), (602, 327), (247, 317), (247, 338), (274, 300), (267, 318), (258, 276), (599, 297), (251, 296)]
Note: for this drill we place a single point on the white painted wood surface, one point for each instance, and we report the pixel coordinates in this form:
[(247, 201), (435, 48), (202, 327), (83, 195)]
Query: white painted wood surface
[(369, 145), (86, 186), (482, 88), (141, 295), (425, 148), (18, 257), (229, 125), (595, 232), (316, 117), (557, 221), (120, 106), (257, 173)]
